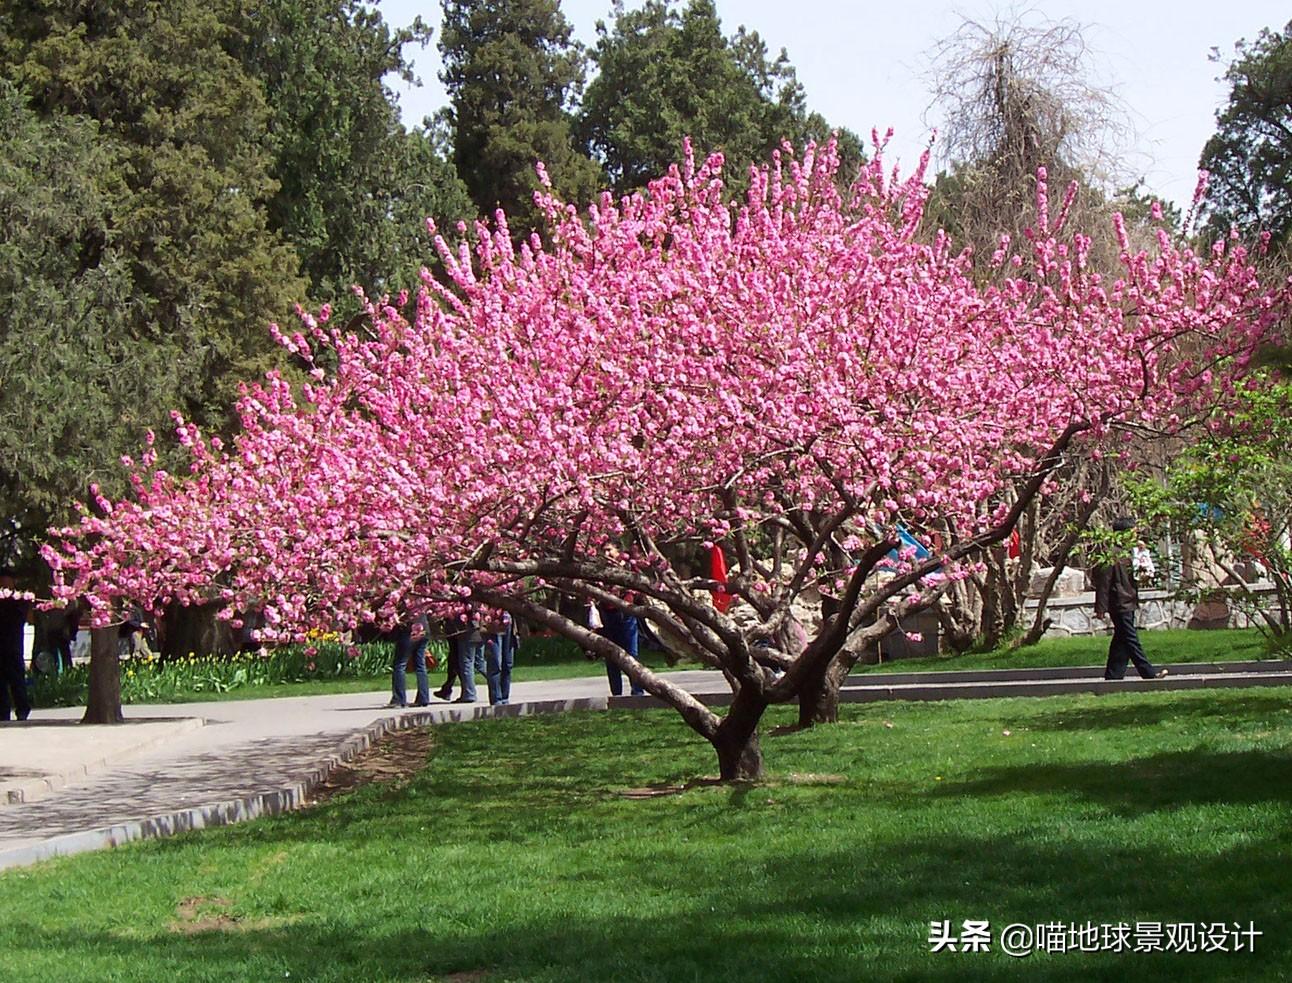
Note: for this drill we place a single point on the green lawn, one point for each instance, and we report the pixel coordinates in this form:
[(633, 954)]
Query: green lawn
[(516, 855), (1162, 647)]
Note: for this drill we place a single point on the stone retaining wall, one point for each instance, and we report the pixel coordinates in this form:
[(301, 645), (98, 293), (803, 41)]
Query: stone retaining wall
[(1075, 614)]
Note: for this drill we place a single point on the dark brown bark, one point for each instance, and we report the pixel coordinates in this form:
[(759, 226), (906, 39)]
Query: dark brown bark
[(1040, 623), (194, 629), (740, 757), (104, 703), (819, 697)]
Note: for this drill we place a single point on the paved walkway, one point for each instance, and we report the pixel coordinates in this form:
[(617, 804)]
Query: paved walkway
[(186, 766)]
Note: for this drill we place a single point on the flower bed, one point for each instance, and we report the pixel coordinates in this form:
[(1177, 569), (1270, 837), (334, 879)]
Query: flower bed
[(150, 680)]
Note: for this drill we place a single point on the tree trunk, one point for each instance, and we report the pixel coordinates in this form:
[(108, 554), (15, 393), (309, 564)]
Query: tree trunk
[(1040, 623), (740, 758), (819, 697), (104, 703), (960, 616), (195, 630)]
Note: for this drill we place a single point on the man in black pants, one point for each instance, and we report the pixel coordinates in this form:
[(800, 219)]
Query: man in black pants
[(14, 613), (1117, 597)]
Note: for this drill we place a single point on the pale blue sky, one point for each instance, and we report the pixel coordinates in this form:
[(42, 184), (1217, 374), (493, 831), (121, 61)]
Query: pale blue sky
[(863, 64)]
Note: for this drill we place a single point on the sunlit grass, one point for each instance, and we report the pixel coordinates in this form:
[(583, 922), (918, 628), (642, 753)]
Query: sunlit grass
[(516, 855)]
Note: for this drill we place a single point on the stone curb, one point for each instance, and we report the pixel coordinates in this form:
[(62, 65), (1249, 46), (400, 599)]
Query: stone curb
[(282, 799), (30, 789), (1100, 686), (868, 679)]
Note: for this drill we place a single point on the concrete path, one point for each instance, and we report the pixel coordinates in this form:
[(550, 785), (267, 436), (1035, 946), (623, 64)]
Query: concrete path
[(188, 766), (45, 754)]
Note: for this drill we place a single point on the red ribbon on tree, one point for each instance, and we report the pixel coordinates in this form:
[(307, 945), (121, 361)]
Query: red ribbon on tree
[(718, 571), (1015, 544)]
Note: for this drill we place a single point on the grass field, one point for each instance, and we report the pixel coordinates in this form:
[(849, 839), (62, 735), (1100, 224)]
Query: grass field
[(523, 852), (1161, 647)]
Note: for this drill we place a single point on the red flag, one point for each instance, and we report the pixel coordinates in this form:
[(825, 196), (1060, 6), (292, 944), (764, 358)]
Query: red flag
[(718, 571), (1015, 544)]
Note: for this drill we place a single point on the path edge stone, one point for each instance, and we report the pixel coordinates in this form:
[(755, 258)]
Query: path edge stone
[(285, 798)]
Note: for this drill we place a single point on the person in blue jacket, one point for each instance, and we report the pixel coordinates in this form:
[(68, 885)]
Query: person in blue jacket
[(622, 628)]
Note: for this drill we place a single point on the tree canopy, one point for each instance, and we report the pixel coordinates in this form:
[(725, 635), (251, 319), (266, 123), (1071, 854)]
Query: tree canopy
[(664, 75), (142, 269), (169, 170), (74, 383), (1250, 155), (512, 70), (797, 382), (353, 185)]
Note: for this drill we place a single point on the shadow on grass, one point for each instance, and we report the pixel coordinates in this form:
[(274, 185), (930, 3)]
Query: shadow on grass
[(1195, 708), (1142, 785), (842, 913)]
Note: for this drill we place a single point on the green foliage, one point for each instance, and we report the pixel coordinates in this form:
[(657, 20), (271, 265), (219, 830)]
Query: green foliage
[(665, 74), (75, 388), (165, 170), (1250, 155), (187, 210), (546, 650), (1103, 547), (354, 188), (139, 269), (154, 681), (1233, 492), (512, 70)]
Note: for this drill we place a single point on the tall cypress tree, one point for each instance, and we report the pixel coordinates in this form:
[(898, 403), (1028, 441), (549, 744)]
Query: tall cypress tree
[(1250, 155), (512, 71), (188, 178), (665, 74), (353, 185), (140, 268)]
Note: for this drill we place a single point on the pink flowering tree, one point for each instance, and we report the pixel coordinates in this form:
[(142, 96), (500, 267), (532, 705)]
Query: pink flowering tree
[(794, 375)]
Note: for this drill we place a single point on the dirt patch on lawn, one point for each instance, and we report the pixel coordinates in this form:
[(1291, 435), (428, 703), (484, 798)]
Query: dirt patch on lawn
[(394, 759), (194, 916)]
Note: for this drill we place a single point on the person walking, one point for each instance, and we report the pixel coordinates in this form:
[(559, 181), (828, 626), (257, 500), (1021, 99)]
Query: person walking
[(410, 642), (15, 611), (1117, 598), (452, 630), (500, 655), (470, 655), (621, 627)]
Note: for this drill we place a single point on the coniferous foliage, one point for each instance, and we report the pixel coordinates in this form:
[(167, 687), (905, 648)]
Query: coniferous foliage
[(1250, 155), (665, 74), (513, 70)]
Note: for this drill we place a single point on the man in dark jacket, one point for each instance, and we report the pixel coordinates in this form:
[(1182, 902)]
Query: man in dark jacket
[(1117, 597)]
